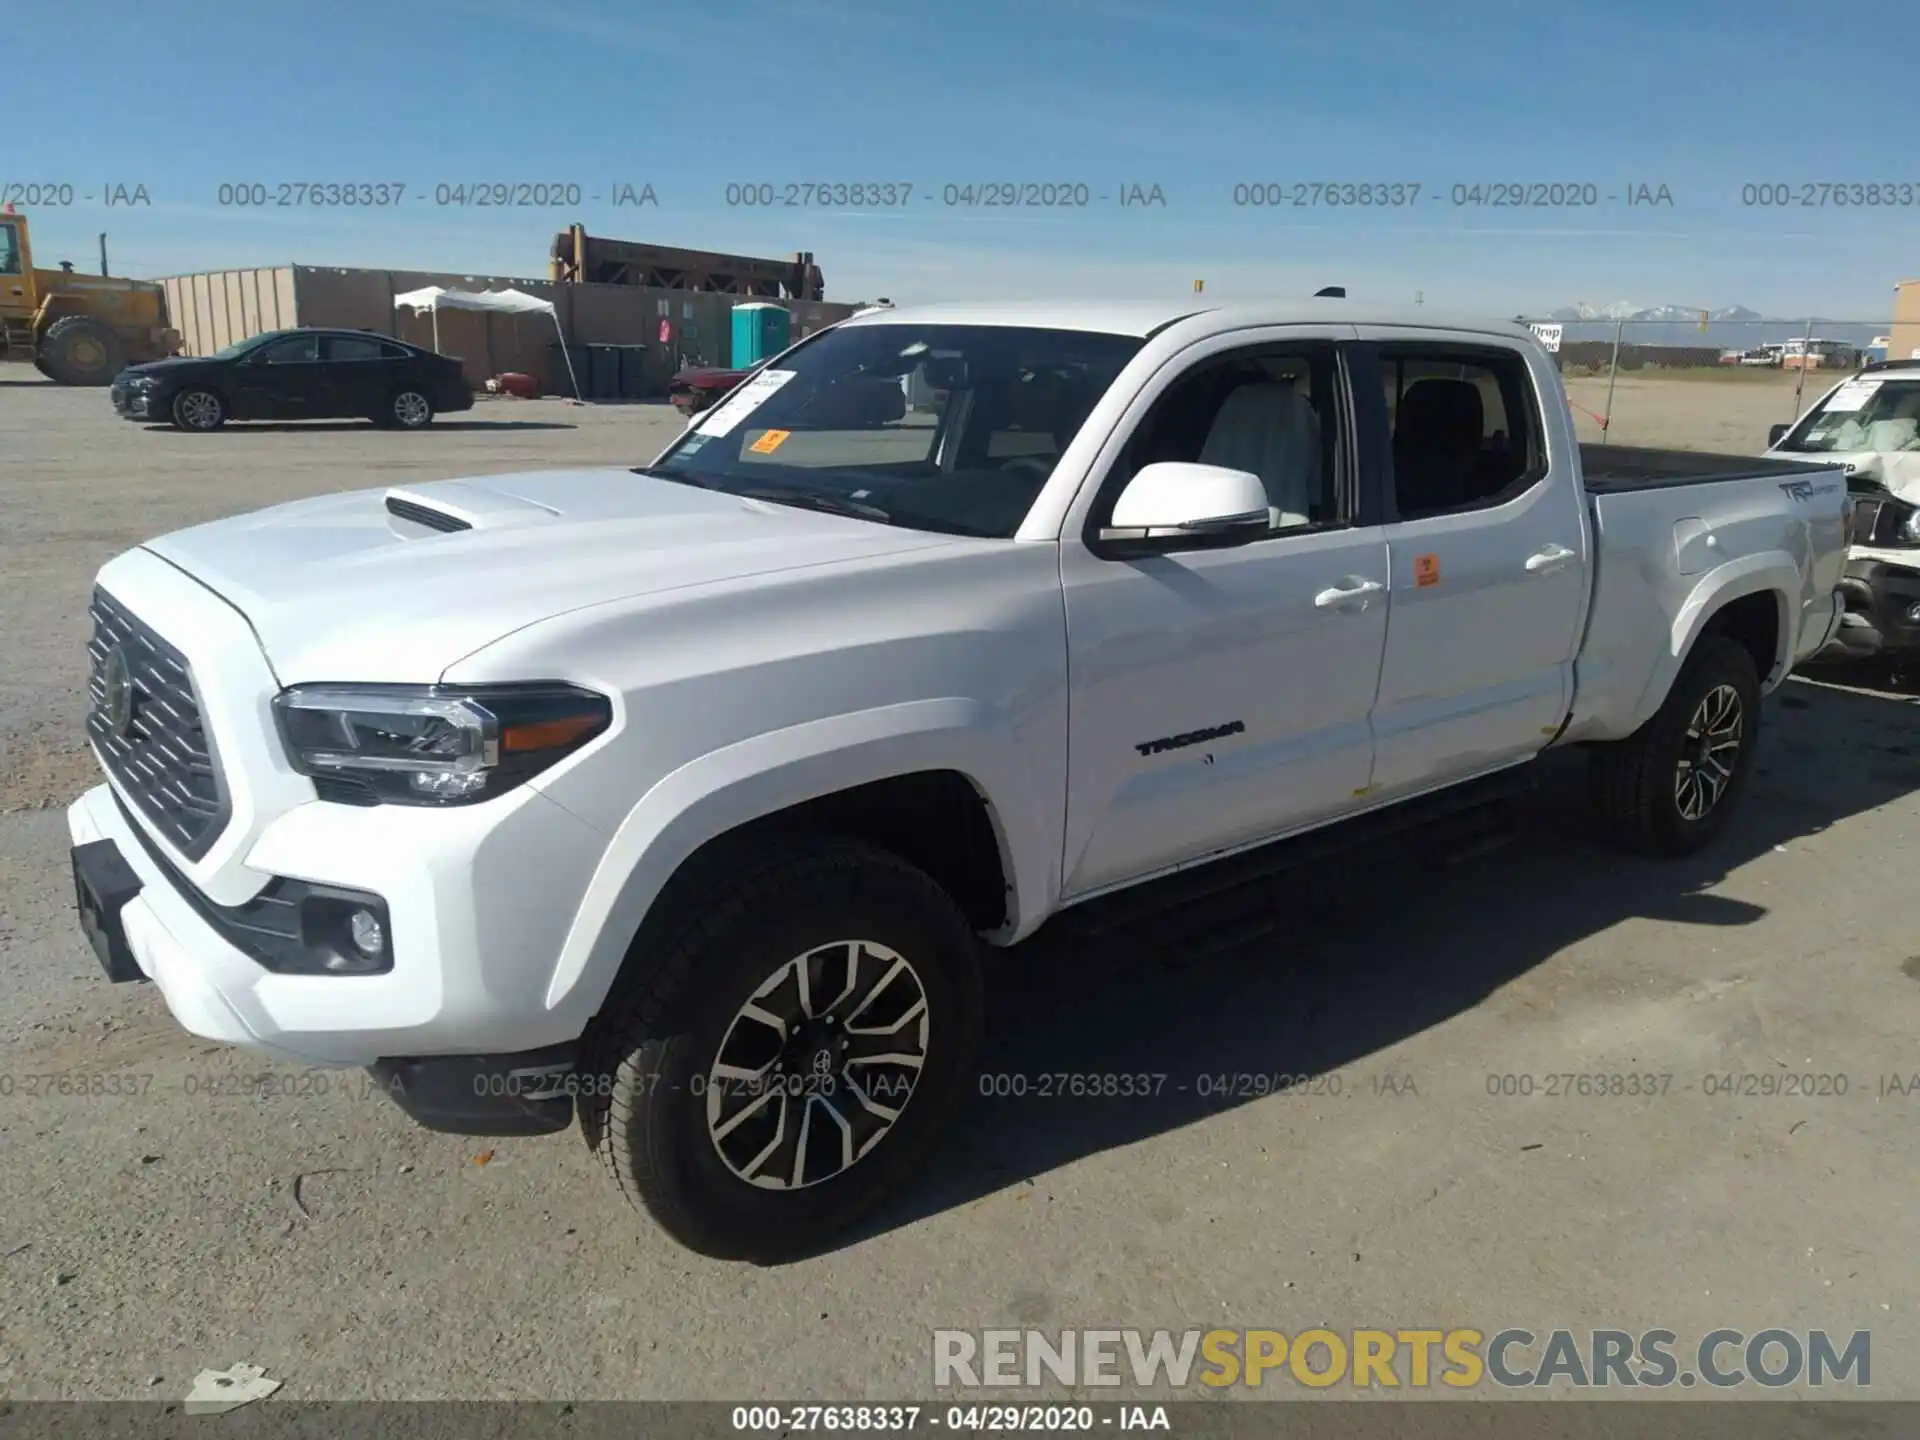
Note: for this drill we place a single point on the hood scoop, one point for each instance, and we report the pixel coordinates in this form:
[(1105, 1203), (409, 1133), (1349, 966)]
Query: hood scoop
[(447, 506), (419, 514)]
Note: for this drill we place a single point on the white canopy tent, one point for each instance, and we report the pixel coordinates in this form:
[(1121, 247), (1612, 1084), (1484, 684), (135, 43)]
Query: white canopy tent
[(435, 298)]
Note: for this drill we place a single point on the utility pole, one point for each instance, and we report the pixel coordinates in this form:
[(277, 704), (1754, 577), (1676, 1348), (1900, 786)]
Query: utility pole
[(1799, 385), (103, 254), (1613, 371)]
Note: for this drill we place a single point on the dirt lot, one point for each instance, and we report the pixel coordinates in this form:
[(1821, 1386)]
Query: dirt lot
[(227, 1210), (1695, 410)]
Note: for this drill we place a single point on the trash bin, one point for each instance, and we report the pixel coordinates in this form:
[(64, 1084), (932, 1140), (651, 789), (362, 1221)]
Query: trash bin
[(559, 382), (605, 368), (633, 372)]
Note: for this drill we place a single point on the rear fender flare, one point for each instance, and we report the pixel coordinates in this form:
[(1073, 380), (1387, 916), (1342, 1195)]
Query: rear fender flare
[(1769, 571)]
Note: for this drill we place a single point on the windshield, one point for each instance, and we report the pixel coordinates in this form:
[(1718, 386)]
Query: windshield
[(1868, 412), (241, 347), (952, 428)]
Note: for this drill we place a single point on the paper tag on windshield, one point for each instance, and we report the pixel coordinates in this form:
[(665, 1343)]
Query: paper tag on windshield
[(749, 398), (1853, 395)]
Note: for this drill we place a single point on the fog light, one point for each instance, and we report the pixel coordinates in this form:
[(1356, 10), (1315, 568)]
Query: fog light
[(368, 939)]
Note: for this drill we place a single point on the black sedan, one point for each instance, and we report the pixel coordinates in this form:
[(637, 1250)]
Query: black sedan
[(296, 375)]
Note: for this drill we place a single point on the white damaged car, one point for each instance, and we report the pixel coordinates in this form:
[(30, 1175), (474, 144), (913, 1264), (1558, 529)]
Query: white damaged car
[(1869, 425)]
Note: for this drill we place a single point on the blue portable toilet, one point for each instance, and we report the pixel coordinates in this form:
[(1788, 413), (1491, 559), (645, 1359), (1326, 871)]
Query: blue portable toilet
[(760, 330)]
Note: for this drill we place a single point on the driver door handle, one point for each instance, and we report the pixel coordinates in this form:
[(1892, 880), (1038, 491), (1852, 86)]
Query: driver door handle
[(1341, 598), (1546, 561)]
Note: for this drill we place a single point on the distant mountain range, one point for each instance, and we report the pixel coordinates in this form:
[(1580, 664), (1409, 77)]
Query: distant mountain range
[(1730, 328)]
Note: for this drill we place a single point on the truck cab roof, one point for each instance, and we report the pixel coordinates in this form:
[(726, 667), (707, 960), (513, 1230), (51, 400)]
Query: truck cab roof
[(1148, 318)]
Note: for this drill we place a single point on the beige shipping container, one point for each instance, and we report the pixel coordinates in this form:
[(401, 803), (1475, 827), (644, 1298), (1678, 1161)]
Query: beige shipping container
[(1905, 341)]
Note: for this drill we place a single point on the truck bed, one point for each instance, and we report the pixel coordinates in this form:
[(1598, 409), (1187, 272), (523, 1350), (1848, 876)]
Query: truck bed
[(1614, 468)]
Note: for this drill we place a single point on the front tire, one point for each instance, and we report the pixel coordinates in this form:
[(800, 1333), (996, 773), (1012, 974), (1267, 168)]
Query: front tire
[(792, 1045), (196, 409), (79, 350), (408, 410), (1669, 788)]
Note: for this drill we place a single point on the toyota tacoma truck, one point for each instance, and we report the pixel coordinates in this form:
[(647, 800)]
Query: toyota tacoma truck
[(686, 800), (1869, 427)]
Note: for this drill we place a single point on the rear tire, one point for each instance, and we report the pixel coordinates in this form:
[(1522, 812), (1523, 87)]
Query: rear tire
[(735, 1136), (1668, 789), (79, 350)]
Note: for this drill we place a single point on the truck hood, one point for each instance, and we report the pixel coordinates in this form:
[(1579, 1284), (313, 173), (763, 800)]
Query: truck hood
[(1897, 470), (343, 588)]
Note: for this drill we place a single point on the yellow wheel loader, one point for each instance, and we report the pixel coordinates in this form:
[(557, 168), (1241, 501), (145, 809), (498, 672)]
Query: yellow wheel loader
[(76, 329)]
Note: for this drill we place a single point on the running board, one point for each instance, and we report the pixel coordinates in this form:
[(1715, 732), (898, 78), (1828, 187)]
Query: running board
[(1467, 836), (1125, 908)]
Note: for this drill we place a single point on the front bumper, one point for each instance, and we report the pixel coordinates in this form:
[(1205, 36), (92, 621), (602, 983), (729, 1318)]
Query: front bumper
[(478, 913), (1883, 609), (126, 921), (131, 404)]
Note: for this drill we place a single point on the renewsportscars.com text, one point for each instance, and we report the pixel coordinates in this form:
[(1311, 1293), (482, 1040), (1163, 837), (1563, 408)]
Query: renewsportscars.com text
[(1400, 1359)]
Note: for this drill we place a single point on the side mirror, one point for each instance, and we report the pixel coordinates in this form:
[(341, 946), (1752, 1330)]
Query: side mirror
[(1178, 506), (1776, 435), (942, 373)]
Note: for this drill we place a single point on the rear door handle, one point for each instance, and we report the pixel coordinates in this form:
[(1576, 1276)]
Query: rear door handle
[(1545, 562), (1339, 598)]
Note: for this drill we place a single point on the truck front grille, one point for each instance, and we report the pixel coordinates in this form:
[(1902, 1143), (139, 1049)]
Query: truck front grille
[(145, 724)]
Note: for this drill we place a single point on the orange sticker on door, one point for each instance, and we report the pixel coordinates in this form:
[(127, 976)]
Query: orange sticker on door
[(769, 442), (1426, 570)]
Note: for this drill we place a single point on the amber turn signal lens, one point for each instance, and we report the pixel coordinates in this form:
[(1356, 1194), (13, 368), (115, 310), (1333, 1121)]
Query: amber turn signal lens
[(549, 734)]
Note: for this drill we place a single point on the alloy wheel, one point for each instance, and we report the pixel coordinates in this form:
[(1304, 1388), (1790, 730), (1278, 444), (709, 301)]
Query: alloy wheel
[(1709, 752), (818, 1065), (199, 410)]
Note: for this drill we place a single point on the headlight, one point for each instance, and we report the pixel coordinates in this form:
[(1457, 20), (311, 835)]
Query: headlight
[(435, 745), (1910, 527), (141, 382)]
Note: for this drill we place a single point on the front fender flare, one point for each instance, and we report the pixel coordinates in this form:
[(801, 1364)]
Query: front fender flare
[(720, 791)]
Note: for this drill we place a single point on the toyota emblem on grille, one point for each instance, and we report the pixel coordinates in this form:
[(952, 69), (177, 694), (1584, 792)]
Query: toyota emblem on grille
[(116, 705)]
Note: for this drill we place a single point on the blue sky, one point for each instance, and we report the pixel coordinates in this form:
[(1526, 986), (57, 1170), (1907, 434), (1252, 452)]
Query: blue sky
[(1194, 97)]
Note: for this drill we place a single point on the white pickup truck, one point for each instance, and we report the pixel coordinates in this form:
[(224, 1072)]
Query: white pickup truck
[(686, 796)]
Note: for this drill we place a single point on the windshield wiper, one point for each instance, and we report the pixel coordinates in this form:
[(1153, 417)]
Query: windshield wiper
[(826, 504)]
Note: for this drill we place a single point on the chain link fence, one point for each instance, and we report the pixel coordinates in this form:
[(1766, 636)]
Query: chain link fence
[(1641, 381)]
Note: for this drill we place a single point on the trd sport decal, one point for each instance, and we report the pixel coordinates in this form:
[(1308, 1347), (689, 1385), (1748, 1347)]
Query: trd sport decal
[(1192, 737)]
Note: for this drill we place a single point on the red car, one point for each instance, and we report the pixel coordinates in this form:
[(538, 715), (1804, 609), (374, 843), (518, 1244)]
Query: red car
[(692, 391)]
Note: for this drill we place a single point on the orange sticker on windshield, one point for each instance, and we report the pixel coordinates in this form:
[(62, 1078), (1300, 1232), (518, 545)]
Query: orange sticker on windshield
[(769, 442), (1426, 570)]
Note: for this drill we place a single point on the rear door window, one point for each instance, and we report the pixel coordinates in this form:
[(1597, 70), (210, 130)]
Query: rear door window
[(1465, 426), (354, 347)]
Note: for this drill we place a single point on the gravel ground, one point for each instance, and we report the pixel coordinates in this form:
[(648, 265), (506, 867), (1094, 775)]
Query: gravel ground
[(219, 1209)]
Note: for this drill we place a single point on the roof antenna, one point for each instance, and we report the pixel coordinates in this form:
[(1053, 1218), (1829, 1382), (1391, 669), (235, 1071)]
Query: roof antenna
[(1332, 292)]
